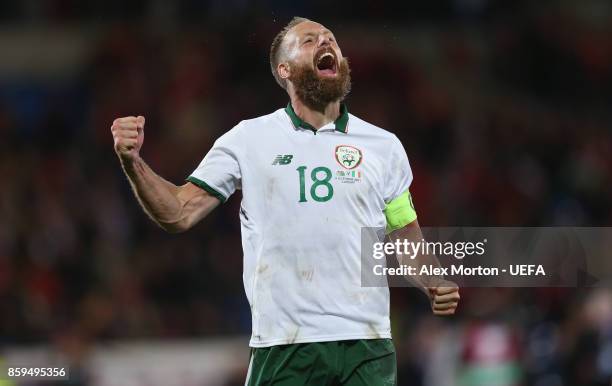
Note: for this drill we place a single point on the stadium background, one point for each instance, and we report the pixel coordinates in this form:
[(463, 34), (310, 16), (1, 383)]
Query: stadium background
[(503, 108)]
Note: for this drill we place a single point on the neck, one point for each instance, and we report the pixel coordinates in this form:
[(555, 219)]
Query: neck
[(316, 119)]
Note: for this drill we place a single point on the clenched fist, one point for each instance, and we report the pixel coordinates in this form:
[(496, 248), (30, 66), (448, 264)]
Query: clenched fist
[(444, 298), (128, 134)]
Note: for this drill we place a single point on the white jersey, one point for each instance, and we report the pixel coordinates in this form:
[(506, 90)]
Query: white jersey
[(306, 195)]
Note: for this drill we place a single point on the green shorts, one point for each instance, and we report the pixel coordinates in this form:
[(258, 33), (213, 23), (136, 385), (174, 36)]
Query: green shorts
[(362, 362)]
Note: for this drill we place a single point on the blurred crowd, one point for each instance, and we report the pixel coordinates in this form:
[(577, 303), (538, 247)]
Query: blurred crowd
[(502, 106)]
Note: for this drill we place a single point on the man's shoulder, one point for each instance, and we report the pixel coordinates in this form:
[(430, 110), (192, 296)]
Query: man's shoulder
[(359, 126), (252, 126), (262, 120)]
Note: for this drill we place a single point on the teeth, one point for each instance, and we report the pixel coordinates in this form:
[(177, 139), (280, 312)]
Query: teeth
[(324, 55)]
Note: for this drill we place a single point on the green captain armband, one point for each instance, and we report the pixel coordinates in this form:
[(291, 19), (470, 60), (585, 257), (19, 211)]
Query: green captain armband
[(400, 212)]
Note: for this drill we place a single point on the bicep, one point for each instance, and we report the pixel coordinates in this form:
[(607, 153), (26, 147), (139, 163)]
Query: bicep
[(196, 203), (400, 212)]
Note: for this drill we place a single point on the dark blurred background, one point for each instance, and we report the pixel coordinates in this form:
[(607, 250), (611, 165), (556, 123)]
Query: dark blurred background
[(503, 108)]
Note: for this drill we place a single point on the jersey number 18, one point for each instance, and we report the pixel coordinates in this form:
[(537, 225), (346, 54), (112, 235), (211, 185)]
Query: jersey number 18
[(314, 176)]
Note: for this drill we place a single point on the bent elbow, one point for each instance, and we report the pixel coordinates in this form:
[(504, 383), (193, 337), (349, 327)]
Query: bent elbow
[(175, 228)]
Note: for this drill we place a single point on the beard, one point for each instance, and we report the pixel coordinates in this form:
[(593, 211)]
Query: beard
[(317, 92)]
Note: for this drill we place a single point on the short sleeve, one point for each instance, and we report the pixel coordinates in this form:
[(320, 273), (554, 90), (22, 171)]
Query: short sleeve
[(219, 172), (399, 173)]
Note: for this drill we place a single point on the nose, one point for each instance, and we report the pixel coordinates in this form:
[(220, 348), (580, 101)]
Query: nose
[(324, 40)]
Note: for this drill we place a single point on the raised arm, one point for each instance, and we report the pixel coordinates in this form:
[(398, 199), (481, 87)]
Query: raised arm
[(174, 208)]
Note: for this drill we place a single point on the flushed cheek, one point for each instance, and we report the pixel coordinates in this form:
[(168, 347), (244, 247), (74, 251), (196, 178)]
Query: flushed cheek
[(304, 61), (298, 53)]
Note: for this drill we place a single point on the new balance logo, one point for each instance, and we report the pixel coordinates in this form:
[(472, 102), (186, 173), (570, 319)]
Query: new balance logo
[(282, 159)]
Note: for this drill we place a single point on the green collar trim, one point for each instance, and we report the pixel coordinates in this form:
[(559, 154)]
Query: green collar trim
[(341, 122)]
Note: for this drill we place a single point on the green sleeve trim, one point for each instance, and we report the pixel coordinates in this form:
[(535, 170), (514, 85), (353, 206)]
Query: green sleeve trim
[(207, 187), (400, 212)]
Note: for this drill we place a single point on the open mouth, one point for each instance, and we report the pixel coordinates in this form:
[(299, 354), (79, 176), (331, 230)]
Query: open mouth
[(326, 64)]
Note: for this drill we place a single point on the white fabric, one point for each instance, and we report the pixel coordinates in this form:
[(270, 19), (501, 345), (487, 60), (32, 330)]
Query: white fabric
[(302, 267)]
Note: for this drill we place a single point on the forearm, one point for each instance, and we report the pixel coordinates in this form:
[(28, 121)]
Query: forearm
[(414, 237), (158, 197), (444, 294)]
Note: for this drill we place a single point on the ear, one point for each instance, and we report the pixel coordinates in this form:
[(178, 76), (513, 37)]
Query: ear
[(284, 70)]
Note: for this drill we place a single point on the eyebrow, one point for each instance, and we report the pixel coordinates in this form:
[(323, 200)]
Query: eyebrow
[(314, 33)]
